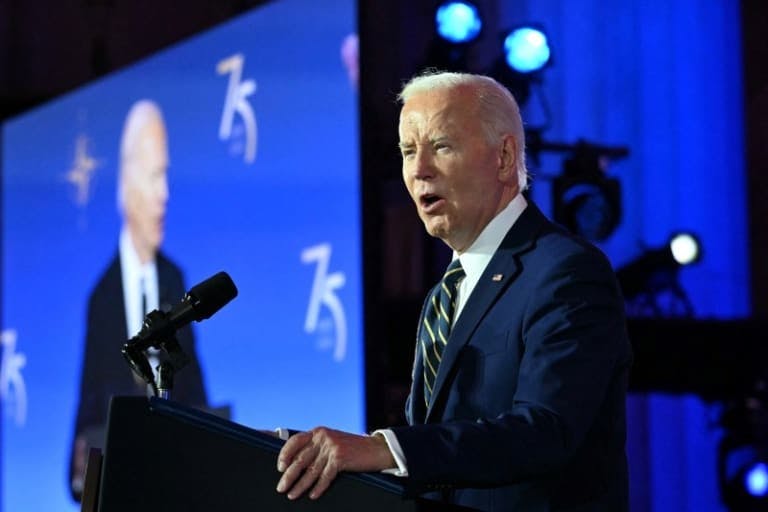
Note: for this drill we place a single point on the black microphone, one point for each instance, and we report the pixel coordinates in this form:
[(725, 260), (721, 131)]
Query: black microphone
[(203, 300), (159, 328), (199, 303)]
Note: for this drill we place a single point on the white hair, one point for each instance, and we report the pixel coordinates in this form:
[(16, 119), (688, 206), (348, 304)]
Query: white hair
[(499, 112), (141, 114)]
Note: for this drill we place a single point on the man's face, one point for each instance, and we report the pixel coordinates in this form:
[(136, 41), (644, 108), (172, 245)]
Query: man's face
[(146, 189), (457, 179)]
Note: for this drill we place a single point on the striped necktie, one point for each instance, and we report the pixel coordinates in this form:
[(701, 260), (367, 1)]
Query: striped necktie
[(438, 316)]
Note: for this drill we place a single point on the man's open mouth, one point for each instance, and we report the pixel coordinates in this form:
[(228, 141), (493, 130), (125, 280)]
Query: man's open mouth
[(430, 201)]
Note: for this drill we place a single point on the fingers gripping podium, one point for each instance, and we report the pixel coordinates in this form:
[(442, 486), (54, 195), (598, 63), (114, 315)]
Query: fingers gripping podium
[(161, 456)]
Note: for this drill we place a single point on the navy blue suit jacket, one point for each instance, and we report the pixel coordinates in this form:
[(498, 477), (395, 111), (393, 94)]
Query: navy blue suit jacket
[(528, 407)]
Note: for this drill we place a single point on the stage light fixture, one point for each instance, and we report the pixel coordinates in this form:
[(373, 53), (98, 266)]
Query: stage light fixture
[(458, 22), (756, 480), (744, 485), (457, 25), (651, 284), (526, 49), (742, 457), (524, 52), (685, 248), (586, 200)]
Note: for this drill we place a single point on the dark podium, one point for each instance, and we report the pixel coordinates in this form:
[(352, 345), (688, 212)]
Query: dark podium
[(161, 456)]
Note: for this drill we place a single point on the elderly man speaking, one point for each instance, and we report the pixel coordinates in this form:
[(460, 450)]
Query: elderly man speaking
[(519, 382)]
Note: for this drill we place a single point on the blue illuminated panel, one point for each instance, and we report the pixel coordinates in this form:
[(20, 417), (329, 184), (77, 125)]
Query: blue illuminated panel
[(263, 183)]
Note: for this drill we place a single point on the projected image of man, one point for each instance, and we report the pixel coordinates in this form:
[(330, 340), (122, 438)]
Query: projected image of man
[(138, 279)]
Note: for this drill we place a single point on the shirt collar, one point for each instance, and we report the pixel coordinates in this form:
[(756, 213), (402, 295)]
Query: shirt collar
[(130, 263), (137, 279), (476, 258), (129, 259)]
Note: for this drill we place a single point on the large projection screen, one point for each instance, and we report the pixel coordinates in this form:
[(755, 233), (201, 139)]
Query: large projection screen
[(262, 182)]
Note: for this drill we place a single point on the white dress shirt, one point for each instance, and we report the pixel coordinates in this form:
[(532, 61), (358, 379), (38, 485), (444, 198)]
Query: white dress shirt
[(138, 280)]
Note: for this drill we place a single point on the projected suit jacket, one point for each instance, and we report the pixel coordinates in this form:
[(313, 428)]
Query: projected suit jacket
[(105, 372), (528, 411)]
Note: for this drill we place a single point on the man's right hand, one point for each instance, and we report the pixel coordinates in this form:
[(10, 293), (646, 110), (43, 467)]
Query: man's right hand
[(312, 460)]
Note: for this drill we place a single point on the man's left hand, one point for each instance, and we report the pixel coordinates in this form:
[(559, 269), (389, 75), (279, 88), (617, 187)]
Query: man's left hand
[(313, 459)]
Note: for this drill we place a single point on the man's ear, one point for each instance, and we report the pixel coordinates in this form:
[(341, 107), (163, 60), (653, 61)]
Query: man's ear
[(508, 160)]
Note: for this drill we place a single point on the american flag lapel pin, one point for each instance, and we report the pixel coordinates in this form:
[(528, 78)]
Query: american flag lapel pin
[(497, 277)]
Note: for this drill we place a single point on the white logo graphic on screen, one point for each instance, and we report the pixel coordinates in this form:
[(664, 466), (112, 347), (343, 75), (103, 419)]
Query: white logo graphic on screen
[(13, 392), (236, 102), (324, 294), (83, 169)]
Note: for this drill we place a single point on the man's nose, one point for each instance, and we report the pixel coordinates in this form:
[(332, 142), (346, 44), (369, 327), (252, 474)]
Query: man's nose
[(423, 165)]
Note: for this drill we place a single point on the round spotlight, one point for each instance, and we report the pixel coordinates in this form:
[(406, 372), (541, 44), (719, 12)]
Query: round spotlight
[(742, 462), (756, 480), (591, 213), (685, 248), (526, 49), (586, 200), (458, 22)]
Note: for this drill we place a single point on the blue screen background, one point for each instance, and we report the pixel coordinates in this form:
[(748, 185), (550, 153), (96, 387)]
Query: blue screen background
[(252, 219)]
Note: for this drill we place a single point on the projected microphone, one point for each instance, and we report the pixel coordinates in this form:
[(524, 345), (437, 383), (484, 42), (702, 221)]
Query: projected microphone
[(159, 329)]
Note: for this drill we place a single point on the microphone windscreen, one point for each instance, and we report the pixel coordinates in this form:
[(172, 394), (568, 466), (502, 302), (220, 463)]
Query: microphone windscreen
[(211, 295)]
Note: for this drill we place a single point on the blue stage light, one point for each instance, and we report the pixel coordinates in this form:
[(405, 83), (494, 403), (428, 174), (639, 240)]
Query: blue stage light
[(756, 480), (742, 453), (458, 22), (526, 49)]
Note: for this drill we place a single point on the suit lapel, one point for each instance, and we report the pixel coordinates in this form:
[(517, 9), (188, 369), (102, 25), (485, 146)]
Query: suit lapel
[(164, 301), (415, 407), (114, 284), (500, 272)]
